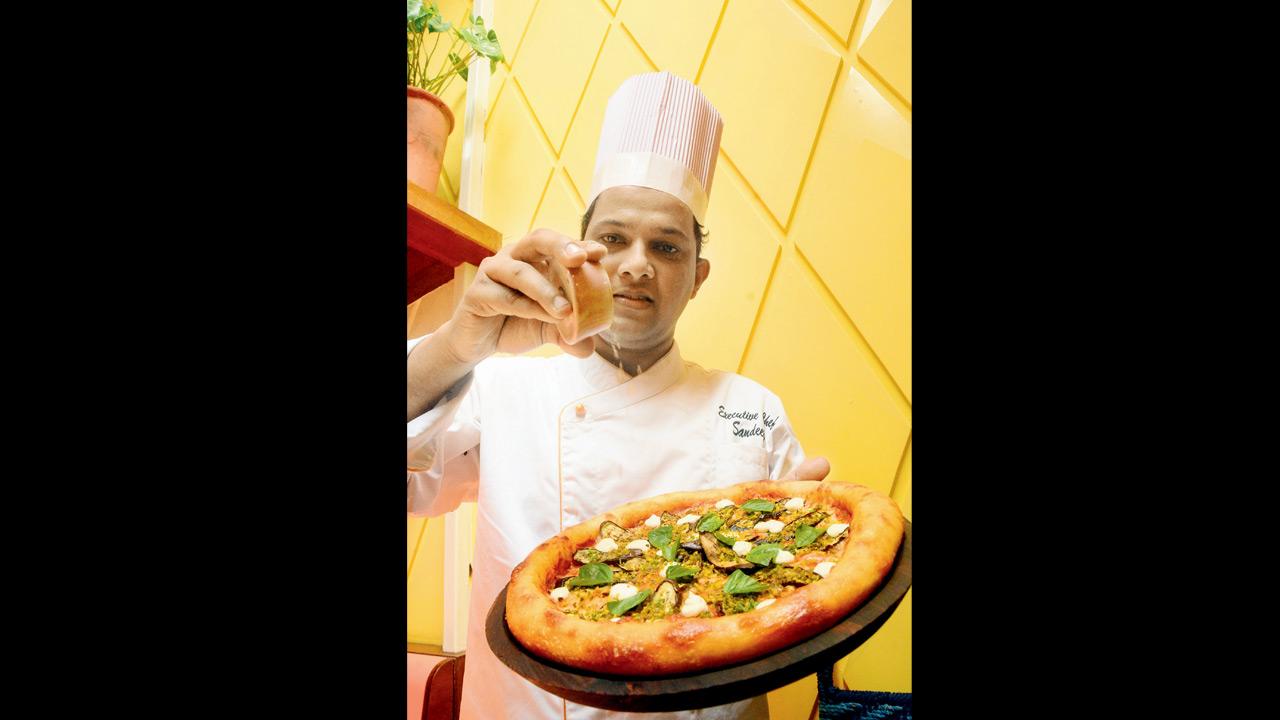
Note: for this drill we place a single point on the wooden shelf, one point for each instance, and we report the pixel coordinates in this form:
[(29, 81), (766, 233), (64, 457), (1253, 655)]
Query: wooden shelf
[(440, 237)]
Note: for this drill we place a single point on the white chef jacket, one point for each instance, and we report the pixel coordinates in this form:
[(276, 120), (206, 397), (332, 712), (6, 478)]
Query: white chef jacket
[(566, 439)]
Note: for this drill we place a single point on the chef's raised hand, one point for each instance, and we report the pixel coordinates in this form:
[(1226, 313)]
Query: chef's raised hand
[(513, 305), (814, 468)]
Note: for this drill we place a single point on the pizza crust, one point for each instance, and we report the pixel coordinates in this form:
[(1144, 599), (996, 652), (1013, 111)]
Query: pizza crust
[(678, 644)]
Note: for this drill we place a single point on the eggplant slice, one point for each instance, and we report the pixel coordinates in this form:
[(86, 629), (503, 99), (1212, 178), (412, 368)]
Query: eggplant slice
[(610, 529), (667, 596), (721, 556)]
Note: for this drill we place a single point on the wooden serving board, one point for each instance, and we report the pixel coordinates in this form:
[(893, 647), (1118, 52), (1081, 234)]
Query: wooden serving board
[(713, 687)]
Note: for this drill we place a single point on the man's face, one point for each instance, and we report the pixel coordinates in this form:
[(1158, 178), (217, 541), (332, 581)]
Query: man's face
[(652, 263)]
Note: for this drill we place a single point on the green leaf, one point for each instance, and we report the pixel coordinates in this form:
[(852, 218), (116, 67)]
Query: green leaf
[(592, 574), (660, 536), (725, 539), (740, 583), (437, 24), (669, 551), (617, 607), (483, 43), (710, 522), (805, 535), (758, 505), (764, 553), (680, 573)]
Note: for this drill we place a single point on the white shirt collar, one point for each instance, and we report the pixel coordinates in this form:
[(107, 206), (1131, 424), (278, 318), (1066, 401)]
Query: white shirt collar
[(615, 389)]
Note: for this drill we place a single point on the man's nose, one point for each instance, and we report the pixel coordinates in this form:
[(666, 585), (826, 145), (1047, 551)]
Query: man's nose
[(635, 262)]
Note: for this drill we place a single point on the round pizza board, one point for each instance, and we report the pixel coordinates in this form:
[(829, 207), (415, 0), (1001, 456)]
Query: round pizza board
[(712, 687)]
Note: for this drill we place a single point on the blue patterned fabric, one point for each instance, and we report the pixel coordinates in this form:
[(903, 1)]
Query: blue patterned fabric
[(837, 704)]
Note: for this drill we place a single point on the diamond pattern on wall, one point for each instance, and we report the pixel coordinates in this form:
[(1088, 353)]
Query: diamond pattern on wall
[(555, 60), (859, 109), (887, 48), (678, 52), (835, 401), (741, 248), (560, 210), (516, 166), (866, 264), (510, 20), (837, 15), (619, 60), (772, 101)]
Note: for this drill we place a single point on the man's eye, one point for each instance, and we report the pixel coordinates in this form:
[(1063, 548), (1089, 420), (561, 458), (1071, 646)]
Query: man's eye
[(667, 248), (611, 239)]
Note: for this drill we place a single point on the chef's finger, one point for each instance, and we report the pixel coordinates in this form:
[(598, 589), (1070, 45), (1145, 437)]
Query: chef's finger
[(595, 251), (545, 244), (524, 279)]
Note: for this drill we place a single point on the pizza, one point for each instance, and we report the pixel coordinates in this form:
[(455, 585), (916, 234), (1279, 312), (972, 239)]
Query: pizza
[(691, 581)]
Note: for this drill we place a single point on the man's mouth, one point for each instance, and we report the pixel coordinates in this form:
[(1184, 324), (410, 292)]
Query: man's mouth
[(633, 299)]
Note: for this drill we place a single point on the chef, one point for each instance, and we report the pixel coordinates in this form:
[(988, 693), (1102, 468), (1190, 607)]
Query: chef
[(541, 444)]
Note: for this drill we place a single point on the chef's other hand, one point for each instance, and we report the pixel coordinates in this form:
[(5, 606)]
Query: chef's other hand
[(814, 468), (513, 306)]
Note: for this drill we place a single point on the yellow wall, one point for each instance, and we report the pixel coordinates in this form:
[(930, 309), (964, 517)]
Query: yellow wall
[(810, 244)]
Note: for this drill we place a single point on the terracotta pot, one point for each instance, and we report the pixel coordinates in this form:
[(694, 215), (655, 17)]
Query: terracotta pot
[(429, 123)]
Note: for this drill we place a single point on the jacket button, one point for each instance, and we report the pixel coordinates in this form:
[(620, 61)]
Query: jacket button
[(581, 410)]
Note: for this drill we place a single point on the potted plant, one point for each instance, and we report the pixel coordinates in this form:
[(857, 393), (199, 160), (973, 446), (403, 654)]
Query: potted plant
[(429, 120)]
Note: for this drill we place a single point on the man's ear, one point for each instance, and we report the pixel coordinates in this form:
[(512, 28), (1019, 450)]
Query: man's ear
[(700, 273)]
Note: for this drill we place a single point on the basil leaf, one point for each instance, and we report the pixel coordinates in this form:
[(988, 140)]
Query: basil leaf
[(740, 583), (680, 573), (764, 553), (669, 551), (617, 607), (592, 574), (725, 539), (805, 535), (661, 536), (710, 522), (758, 505)]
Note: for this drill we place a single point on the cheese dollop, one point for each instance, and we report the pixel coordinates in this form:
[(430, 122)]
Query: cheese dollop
[(607, 545), (653, 521), (742, 547), (823, 568), (622, 591), (693, 605)]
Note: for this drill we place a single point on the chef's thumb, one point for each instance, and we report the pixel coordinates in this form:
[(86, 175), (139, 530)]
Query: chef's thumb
[(814, 468)]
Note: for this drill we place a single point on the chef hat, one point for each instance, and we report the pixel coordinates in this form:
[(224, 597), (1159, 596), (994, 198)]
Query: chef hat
[(659, 132)]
